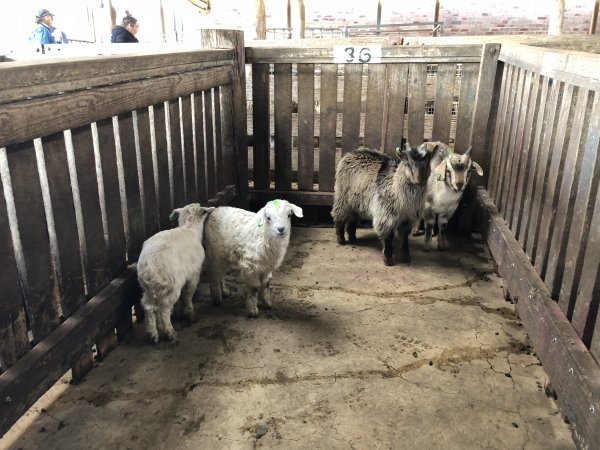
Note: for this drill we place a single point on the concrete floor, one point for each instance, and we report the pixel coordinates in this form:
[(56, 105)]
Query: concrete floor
[(353, 355)]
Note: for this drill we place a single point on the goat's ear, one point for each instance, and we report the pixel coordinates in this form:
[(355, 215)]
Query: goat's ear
[(468, 151), (260, 217), (478, 169), (296, 210), (174, 217), (440, 171)]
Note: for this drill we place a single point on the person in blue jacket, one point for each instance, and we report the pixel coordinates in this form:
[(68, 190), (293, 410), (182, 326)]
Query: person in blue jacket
[(126, 31), (42, 33)]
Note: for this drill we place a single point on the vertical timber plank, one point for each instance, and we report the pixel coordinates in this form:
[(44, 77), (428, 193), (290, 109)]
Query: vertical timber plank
[(466, 104), (306, 126), (165, 207), (260, 125), (374, 106), (417, 82), (283, 126), (397, 90), (499, 130), (148, 188), (211, 181), (219, 170), (327, 135), (352, 107), (176, 154), (191, 194), (200, 155), (444, 95), (227, 124)]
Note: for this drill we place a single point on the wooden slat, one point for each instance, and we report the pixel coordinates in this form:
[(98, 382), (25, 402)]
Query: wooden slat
[(220, 176), (485, 109), (97, 265), (39, 285), (466, 105), (191, 195), (200, 155), (228, 124), (112, 196), (397, 90), (374, 106), (297, 197), (530, 119), (417, 79), (13, 329), (516, 143), (534, 165), (71, 284), (573, 372), (587, 190), (327, 138), (541, 172), (566, 197), (211, 181), (283, 126), (550, 196), (165, 207), (149, 202), (135, 218), (83, 107), (351, 107), (392, 54), (306, 127), (39, 369), (260, 124), (176, 154), (444, 95), (499, 129)]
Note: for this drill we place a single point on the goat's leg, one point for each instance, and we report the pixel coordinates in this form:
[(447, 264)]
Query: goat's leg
[(441, 239), (224, 289), (253, 282), (215, 282), (187, 295), (403, 232), (264, 292), (164, 320), (150, 322), (388, 249), (351, 227), (339, 231)]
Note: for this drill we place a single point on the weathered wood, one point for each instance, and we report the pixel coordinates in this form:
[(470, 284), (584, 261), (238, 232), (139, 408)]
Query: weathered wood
[(187, 145), (306, 127), (97, 267), (397, 90), (223, 197), (54, 156), (13, 329), (573, 372), (499, 129), (20, 80), (176, 152), (550, 196), (38, 282), (444, 97), (327, 141), (417, 78), (486, 99), (283, 126), (351, 108), (564, 207), (534, 165), (146, 138), (297, 197), (105, 344), (200, 147), (392, 54), (547, 137), (466, 105), (374, 106), (587, 190), (83, 364), (260, 127), (209, 126), (112, 196), (219, 170), (227, 124), (530, 119), (41, 367), (19, 120), (165, 206), (133, 202)]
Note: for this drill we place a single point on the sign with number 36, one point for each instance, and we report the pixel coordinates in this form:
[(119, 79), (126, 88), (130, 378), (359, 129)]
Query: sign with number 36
[(358, 54)]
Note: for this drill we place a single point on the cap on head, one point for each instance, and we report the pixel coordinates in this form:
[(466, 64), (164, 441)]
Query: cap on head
[(43, 13)]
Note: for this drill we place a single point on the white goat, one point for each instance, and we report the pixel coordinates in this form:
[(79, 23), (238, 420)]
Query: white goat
[(255, 243), (169, 266), (450, 175)]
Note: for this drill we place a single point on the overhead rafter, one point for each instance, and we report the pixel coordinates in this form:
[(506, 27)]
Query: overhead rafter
[(203, 5)]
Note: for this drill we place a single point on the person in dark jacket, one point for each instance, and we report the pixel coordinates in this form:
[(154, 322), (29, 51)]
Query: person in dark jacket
[(126, 31)]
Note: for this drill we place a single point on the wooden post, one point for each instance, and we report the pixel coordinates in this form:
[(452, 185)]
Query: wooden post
[(594, 18), (556, 18), (235, 39), (297, 18), (378, 17), (261, 21), (436, 17), (289, 18)]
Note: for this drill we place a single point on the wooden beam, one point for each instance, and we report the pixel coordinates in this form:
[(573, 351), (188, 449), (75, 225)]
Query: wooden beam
[(436, 16), (557, 17), (297, 197), (261, 20), (594, 19), (573, 372)]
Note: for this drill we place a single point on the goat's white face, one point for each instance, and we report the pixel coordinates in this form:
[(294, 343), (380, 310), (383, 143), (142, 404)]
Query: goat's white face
[(276, 215), (455, 170)]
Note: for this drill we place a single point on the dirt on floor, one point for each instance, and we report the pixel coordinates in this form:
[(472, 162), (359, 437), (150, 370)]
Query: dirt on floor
[(353, 355)]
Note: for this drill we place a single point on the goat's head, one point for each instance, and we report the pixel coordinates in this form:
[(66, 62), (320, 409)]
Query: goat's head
[(190, 214), (276, 215), (416, 162), (455, 170)]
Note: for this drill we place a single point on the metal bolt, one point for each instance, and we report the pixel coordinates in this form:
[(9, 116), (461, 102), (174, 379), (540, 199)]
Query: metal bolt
[(7, 399)]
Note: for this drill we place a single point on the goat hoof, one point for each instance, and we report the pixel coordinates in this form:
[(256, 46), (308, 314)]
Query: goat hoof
[(341, 241), (152, 338), (253, 314), (388, 261), (190, 316), (170, 335)]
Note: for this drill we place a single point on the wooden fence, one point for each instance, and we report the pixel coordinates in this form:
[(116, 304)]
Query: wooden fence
[(542, 205), (94, 155), (316, 110)]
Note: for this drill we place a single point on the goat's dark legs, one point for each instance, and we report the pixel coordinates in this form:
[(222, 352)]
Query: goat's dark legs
[(403, 232), (339, 231), (388, 249), (442, 225), (351, 228)]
